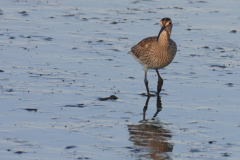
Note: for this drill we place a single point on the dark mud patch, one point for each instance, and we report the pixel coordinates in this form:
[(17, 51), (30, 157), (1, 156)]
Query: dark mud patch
[(100, 41), (193, 150), (55, 117), (205, 47), (11, 37), (151, 12), (89, 42), (131, 77), (19, 152), (31, 109), (24, 48), (233, 31), (201, 1), (69, 15), (229, 56), (195, 55), (122, 37), (192, 73), (178, 7), (77, 105), (211, 142), (23, 13), (83, 158), (189, 29), (94, 18), (226, 154), (129, 147), (9, 90), (112, 97), (70, 147), (170, 8), (223, 67), (48, 39), (229, 84)]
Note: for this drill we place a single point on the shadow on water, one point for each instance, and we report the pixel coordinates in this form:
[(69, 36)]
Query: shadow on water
[(150, 138)]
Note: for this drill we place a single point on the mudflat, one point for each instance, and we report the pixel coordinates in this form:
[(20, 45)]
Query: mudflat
[(69, 90)]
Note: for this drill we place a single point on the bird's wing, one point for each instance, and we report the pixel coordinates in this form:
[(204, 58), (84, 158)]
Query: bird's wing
[(143, 47)]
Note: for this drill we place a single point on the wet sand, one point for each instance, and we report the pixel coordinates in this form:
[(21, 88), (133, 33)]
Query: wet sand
[(69, 90)]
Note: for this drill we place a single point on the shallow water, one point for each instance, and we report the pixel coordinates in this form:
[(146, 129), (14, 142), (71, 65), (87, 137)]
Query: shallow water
[(59, 58)]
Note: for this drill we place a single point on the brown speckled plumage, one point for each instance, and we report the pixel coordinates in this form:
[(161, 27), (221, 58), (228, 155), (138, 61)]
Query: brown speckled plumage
[(156, 52)]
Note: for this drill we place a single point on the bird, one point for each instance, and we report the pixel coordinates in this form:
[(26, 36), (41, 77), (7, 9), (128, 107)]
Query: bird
[(156, 52)]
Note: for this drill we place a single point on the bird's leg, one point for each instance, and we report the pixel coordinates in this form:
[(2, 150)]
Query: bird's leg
[(160, 82), (146, 82)]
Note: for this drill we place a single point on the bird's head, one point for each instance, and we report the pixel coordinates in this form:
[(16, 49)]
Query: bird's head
[(166, 27), (166, 23)]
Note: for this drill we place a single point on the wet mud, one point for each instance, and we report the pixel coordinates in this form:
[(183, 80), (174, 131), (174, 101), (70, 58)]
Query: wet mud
[(112, 97), (69, 90)]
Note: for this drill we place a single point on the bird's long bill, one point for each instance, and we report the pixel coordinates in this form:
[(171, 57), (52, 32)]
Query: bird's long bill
[(161, 32)]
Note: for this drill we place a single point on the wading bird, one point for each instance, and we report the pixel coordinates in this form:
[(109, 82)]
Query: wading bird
[(156, 52)]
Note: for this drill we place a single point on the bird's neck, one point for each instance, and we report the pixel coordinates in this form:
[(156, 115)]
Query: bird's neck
[(164, 38)]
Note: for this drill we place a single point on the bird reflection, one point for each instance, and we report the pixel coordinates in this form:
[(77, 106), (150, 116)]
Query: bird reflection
[(150, 137), (159, 107)]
